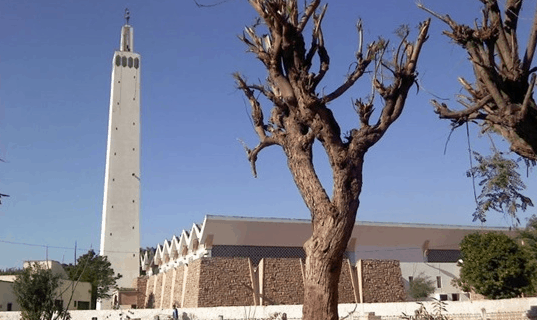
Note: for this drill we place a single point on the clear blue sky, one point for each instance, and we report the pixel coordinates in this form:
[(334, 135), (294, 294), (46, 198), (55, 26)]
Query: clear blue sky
[(55, 66)]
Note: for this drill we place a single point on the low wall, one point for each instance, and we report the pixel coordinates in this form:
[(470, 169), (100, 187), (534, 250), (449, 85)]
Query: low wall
[(494, 309)]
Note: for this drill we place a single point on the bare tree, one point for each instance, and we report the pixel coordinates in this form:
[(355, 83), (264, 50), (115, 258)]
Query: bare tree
[(300, 116), (502, 96)]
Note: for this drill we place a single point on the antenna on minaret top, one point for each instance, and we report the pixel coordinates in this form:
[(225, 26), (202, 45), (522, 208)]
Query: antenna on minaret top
[(127, 40), (127, 15)]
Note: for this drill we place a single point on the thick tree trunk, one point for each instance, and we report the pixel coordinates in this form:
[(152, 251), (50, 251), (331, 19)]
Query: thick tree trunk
[(324, 257), (523, 138), (321, 286)]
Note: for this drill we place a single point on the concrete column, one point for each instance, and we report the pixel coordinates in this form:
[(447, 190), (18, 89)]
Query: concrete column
[(360, 279)]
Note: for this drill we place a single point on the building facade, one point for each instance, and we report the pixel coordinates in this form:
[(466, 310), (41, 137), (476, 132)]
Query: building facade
[(71, 295), (375, 252)]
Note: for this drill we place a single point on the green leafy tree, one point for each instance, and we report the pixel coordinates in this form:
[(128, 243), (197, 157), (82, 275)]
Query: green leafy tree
[(420, 287), (528, 240), (501, 185), (36, 291), (96, 270), (495, 266)]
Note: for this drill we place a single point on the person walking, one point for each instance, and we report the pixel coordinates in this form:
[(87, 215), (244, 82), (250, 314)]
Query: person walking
[(175, 313)]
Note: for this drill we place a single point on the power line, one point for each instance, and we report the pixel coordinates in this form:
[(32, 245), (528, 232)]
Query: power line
[(57, 247)]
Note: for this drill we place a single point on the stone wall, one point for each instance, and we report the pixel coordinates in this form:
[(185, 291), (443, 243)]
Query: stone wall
[(282, 281), (150, 294), (192, 284), (382, 281), (141, 287), (167, 296), (225, 282), (178, 286), (158, 290), (345, 287)]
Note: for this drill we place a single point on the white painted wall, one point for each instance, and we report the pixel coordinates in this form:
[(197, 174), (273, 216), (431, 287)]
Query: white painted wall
[(7, 296), (521, 305), (80, 292), (446, 271)]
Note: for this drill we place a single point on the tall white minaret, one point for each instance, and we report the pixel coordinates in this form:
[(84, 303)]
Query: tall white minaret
[(120, 230)]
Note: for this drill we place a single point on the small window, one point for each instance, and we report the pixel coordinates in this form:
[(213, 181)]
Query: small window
[(455, 297), (136, 63), (443, 297), (438, 282), (118, 61), (84, 305), (124, 61), (130, 62), (410, 279)]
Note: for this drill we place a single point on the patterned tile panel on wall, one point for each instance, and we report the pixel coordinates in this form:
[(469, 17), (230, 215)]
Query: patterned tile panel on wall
[(256, 253), (435, 255)]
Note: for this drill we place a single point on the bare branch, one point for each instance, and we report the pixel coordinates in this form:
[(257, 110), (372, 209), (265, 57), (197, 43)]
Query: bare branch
[(530, 48), (252, 153), (395, 94), (445, 113), (422, 37), (257, 113), (307, 14), (527, 98), (445, 18), (358, 71)]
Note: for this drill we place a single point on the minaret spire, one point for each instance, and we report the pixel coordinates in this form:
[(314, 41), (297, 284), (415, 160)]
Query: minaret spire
[(127, 34), (127, 15)]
